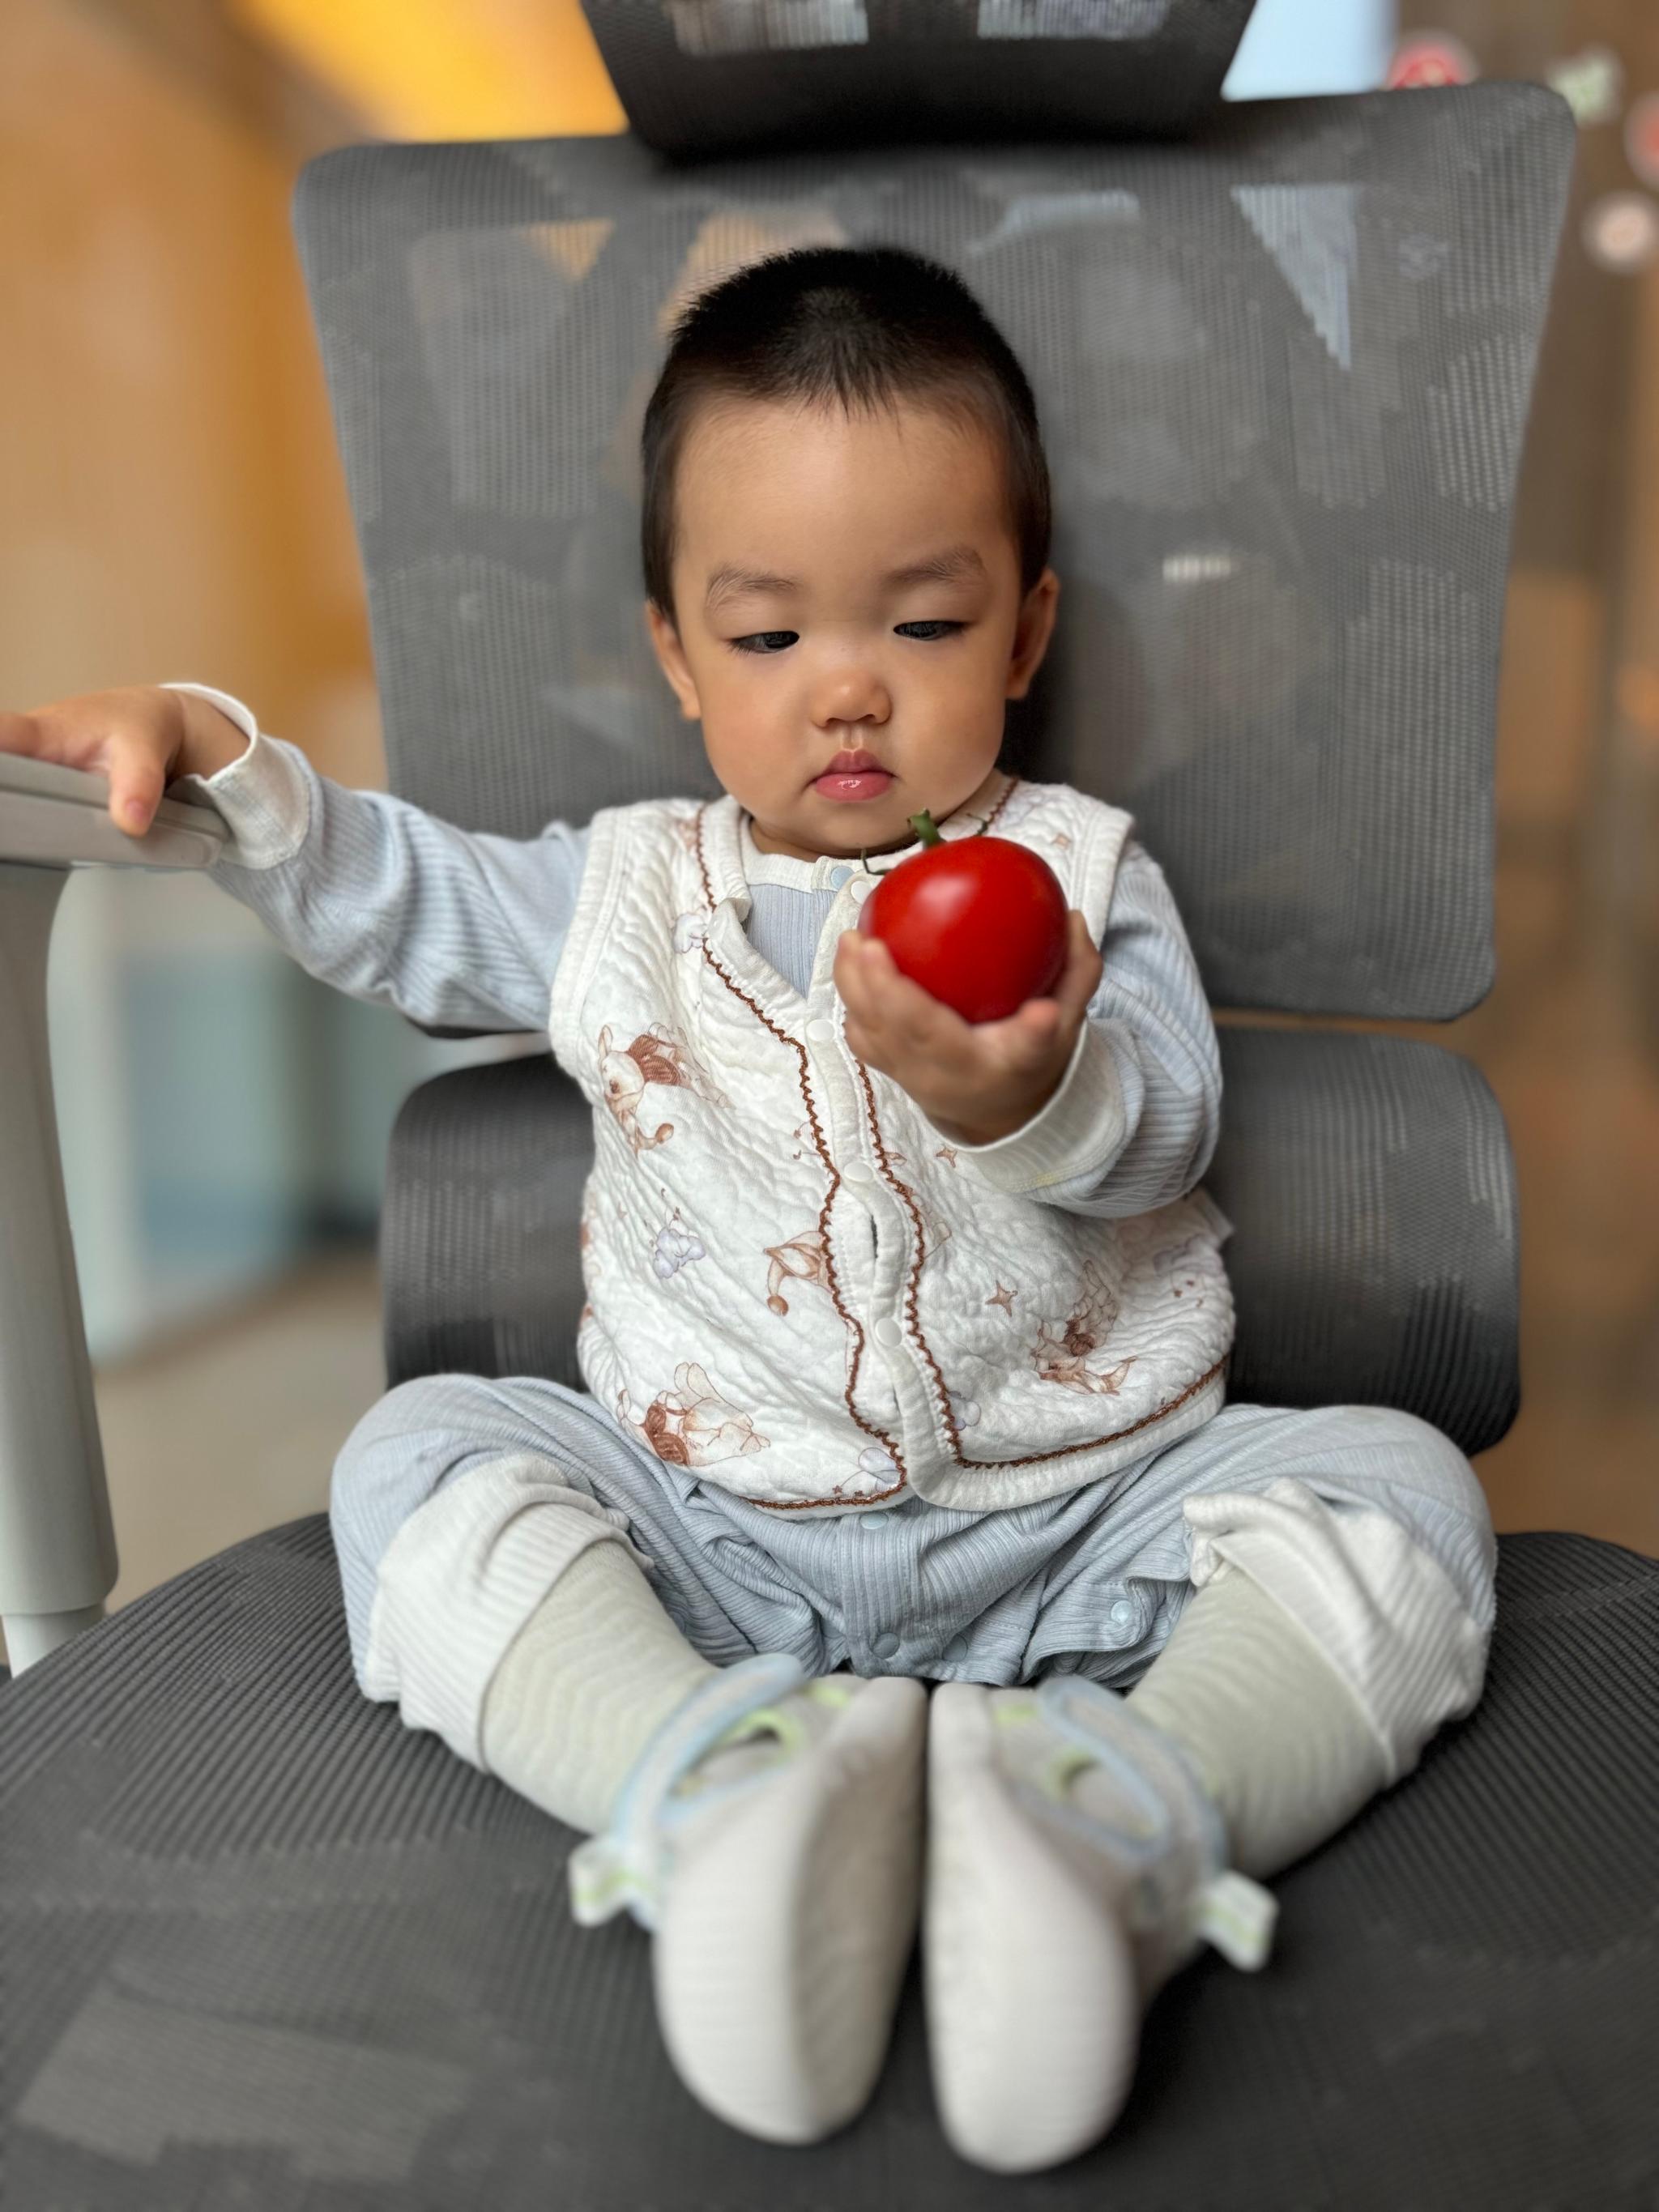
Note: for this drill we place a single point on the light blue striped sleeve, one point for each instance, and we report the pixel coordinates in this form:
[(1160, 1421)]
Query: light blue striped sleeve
[(453, 927), (1134, 1121)]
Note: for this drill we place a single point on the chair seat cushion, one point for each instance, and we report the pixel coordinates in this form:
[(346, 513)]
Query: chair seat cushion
[(265, 1947)]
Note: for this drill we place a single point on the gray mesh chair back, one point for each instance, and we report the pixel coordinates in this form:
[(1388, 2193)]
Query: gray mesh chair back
[(1282, 372)]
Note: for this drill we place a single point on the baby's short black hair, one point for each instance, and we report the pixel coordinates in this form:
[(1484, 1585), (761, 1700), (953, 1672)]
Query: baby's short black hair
[(864, 327)]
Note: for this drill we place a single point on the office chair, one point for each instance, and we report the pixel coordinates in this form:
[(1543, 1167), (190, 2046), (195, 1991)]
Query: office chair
[(266, 1948)]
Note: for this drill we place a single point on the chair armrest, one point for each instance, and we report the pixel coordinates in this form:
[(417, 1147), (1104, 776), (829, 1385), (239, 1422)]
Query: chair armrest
[(58, 1558), (59, 818), (57, 1545)]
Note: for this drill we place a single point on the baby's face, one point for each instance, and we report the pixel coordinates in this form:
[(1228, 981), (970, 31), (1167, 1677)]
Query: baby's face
[(807, 628)]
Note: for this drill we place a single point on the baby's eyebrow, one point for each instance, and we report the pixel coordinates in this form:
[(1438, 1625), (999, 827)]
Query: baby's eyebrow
[(942, 567)]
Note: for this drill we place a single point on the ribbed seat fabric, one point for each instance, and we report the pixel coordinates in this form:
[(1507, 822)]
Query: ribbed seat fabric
[(265, 1947)]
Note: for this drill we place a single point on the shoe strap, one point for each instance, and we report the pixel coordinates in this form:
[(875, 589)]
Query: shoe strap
[(1228, 1910), (1237, 1916), (1151, 1766), (620, 1870)]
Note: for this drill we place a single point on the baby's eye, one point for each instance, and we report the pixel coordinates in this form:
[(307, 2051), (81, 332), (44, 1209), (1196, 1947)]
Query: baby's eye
[(766, 643)]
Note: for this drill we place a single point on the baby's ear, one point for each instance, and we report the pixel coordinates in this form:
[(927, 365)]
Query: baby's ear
[(670, 659), (1035, 628)]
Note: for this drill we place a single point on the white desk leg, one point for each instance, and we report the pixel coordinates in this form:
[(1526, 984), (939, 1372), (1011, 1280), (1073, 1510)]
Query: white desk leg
[(57, 1544)]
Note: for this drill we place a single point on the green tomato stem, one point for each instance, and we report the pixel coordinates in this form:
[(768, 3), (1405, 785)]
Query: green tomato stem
[(925, 828)]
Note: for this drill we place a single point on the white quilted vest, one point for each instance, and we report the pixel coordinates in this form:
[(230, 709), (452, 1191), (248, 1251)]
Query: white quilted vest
[(794, 1284)]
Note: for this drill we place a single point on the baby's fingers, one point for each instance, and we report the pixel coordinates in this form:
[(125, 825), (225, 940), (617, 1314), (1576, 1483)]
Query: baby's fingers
[(75, 737), (1083, 968), (1025, 1040), (21, 733), (875, 990), (137, 780)]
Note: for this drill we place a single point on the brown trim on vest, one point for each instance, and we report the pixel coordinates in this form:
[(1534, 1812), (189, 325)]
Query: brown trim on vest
[(970, 1465), (915, 1212), (848, 1321), (1009, 790), (1029, 1459)]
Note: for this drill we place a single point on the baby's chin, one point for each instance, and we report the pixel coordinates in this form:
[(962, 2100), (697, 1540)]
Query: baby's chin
[(838, 829)]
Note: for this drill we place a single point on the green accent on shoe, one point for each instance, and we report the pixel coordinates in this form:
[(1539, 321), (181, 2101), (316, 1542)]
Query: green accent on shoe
[(1057, 1777), (598, 1887), (824, 1690), (1006, 1713), (1237, 1916), (766, 1720)]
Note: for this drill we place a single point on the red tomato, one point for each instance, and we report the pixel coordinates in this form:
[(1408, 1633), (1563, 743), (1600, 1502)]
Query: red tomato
[(979, 922)]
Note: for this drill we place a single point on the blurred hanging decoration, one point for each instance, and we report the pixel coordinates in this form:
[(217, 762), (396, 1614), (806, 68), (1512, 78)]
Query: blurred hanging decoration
[(1431, 58), (1591, 83), (1642, 137), (1621, 232)]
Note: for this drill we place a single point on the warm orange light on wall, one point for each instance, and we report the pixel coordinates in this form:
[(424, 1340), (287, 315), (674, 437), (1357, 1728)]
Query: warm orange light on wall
[(449, 69)]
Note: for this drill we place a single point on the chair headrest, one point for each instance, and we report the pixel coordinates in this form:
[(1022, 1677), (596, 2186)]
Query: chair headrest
[(700, 77)]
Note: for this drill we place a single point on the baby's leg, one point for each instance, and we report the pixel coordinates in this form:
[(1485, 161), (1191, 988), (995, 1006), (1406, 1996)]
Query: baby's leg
[(461, 1509), (1343, 1567), (486, 1533), (1343, 1563)]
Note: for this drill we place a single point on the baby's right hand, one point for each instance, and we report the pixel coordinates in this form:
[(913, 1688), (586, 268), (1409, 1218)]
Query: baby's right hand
[(140, 738)]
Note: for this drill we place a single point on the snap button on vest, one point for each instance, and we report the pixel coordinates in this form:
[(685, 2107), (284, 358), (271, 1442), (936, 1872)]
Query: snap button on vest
[(819, 1031), (888, 1332)]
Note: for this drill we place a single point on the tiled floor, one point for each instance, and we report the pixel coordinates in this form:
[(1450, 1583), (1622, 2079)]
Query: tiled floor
[(234, 1429)]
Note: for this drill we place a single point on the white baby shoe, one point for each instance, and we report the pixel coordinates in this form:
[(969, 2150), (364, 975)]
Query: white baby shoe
[(1074, 1863), (770, 1836)]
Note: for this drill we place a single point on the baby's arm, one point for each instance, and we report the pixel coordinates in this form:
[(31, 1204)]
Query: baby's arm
[(1119, 1073), (458, 929), (454, 927), (1135, 1121)]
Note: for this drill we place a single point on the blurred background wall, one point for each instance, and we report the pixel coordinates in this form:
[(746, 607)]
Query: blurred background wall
[(171, 505), (1569, 1036)]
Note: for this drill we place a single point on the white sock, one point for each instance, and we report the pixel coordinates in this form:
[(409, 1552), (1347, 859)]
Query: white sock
[(1280, 1739), (587, 1682)]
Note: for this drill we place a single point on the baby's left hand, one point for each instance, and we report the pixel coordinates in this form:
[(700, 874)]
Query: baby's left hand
[(976, 1081)]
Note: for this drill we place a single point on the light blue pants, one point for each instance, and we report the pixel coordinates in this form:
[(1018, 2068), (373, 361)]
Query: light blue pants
[(1092, 1582)]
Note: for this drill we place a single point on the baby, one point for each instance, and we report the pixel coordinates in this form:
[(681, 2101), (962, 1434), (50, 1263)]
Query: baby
[(905, 1340)]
